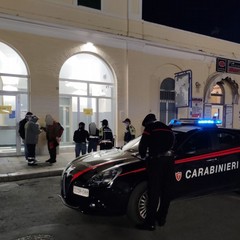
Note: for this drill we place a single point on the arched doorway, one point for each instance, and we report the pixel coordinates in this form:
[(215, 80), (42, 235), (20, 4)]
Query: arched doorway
[(217, 101), (221, 93), (86, 88), (13, 99), (167, 100)]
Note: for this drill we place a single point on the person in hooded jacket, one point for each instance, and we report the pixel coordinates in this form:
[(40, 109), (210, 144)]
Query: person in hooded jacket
[(93, 137), (80, 137), (32, 131), (155, 147), (54, 131)]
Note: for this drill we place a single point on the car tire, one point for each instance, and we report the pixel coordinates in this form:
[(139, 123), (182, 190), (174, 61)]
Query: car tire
[(136, 210)]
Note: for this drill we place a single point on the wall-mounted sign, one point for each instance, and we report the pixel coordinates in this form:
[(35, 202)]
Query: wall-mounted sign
[(228, 116), (228, 66), (197, 107), (183, 88), (5, 109), (88, 111), (208, 111)]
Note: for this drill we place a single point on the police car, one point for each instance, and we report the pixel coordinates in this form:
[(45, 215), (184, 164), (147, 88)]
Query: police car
[(206, 159)]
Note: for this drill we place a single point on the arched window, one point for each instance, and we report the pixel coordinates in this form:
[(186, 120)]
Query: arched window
[(86, 89), (217, 96), (13, 99), (167, 100)]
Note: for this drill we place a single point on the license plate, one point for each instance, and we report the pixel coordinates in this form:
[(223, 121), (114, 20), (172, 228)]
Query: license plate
[(84, 192)]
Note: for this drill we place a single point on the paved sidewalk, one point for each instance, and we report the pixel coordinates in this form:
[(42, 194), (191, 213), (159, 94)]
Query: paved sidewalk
[(16, 168)]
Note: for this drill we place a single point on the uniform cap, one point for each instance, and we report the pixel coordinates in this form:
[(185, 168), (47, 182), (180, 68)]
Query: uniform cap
[(127, 120), (148, 119)]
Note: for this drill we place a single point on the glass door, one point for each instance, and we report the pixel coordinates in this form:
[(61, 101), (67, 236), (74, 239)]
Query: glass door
[(9, 143)]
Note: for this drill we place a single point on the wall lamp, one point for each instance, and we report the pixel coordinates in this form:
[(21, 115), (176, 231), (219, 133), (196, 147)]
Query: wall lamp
[(197, 84)]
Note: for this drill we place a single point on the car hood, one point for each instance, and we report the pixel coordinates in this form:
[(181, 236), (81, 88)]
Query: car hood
[(100, 160)]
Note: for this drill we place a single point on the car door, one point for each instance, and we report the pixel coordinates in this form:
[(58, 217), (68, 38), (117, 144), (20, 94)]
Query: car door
[(195, 164), (226, 145)]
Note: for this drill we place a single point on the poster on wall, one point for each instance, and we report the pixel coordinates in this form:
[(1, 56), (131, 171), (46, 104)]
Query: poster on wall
[(88, 111), (4, 109), (228, 116), (183, 82), (197, 107), (208, 111)]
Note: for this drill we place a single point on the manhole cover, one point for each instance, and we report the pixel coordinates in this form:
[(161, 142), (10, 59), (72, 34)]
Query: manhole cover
[(37, 237)]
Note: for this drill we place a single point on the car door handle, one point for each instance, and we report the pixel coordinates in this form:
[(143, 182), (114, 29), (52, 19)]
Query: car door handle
[(212, 159)]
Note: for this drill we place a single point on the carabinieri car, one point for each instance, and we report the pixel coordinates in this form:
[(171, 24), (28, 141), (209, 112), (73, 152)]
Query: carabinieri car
[(206, 159)]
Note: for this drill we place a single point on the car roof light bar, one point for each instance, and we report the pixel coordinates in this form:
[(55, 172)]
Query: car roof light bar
[(194, 122)]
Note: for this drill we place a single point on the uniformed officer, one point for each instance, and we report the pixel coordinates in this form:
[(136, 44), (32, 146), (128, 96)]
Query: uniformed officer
[(105, 136), (157, 141), (130, 131)]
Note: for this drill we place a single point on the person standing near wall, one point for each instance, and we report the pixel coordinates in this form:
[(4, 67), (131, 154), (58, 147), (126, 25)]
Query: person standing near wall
[(93, 137), (21, 131), (157, 140), (130, 132), (105, 136), (54, 131), (32, 131), (80, 137)]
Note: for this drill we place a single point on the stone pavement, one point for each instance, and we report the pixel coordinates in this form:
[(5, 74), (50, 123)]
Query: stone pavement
[(16, 168)]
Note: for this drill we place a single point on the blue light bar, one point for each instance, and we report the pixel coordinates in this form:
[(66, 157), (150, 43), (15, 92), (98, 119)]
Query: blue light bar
[(194, 121), (209, 121), (175, 122), (206, 121)]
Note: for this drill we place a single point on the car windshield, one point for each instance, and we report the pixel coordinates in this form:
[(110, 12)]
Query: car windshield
[(132, 146), (179, 133)]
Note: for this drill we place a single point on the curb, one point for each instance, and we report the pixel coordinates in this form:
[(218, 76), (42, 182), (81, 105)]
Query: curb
[(9, 177)]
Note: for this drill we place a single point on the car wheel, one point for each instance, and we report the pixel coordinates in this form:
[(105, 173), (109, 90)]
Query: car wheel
[(136, 210)]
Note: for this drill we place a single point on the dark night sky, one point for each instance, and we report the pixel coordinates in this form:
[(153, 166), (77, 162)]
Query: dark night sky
[(208, 17)]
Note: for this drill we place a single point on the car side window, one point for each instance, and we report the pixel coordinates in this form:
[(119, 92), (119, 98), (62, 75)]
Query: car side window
[(226, 140), (199, 143)]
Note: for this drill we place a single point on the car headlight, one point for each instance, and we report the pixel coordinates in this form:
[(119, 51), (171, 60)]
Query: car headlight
[(104, 178)]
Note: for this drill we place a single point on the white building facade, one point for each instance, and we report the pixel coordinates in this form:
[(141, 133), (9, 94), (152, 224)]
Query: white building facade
[(85, 64)]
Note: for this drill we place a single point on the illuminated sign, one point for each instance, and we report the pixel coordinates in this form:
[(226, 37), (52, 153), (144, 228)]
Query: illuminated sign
[(88, 111), (228, 66), (5, 109)]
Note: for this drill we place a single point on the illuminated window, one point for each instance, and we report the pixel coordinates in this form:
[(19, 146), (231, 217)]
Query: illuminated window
[(217, 94), (86, 88), (13, 99)]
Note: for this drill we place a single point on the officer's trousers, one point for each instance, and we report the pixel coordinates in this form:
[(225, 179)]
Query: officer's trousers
[(160, 186)]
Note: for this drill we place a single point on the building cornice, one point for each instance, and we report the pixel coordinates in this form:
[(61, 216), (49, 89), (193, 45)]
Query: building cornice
[(18, 24)]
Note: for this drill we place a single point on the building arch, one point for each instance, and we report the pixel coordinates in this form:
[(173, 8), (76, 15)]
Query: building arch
[(225, 79), (167, 100), (14, 98), (229, 97), (87, 93)]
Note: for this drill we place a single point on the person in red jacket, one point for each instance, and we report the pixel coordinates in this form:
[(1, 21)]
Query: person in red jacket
[(54, 131)]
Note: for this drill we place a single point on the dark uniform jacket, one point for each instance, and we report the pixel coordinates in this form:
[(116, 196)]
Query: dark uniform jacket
[(21, 129), (80, 136), (156, 139)]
